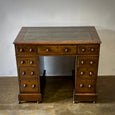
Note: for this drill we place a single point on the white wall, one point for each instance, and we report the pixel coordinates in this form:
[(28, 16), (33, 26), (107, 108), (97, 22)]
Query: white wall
[(17, 13)]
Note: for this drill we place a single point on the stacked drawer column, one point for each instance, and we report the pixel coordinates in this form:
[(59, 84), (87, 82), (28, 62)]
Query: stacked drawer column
[(28, 73), (86, 73)]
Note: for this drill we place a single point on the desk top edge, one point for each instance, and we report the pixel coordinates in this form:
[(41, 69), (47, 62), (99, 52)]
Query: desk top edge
[(91, 29)]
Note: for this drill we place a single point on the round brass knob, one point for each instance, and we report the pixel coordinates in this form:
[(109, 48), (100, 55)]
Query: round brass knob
[(81, 72), (89, 86), (82, 62), (32, 73), (90, 73), (25, 85), (21, 50), (47, 50), (30, 49), (31, 62), (92, 49), (22, 62), (83, 49), (81, 85), (91, 62), (66, 50), (23, 73), (33, 86)]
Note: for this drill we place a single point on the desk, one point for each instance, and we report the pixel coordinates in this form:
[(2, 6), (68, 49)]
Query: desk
[(81, 42)]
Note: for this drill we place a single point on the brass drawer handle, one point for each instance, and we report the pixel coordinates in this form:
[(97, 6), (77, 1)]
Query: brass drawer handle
[(23, 73), (31, 62), (82, 62), (32, 73), (47, 50), (30, 49), (33, 86), (83, 49), (91, 62), (22, 62), (66, 49), (21, 50), (81, 72), (89, 86), (92, 49), (90, 73), (81, 85), (25, 85)]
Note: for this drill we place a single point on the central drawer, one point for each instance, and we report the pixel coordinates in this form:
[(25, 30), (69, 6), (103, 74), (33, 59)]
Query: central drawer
[(50, 50)]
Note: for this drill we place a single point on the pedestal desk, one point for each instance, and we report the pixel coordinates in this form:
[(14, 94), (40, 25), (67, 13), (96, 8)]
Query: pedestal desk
[(81, 42)]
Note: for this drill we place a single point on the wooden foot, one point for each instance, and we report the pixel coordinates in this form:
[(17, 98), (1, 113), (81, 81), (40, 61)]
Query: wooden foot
[(39, 101), (94, 102), (75, 102), (19, 102)]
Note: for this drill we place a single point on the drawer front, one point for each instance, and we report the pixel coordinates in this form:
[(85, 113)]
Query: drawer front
[(67, 49), (26, 50), (88, 49), (28, 72), (50, 50), (86, 86), (27, 61), (89, 73), (89, 61), (29, 85), (47, 50)]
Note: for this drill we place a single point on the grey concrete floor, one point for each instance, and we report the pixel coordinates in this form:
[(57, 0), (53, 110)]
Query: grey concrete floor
[(57, 98)]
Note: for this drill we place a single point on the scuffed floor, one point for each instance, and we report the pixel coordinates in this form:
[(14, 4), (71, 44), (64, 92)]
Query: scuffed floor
[(57, 99)]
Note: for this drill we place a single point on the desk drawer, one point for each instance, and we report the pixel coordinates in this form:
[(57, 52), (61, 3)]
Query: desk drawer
[(87, 61), (47, 50), (26, 72), (86, 86), (29, 85), (88, 49), (26, 50), (90, 73), (64, 49), (27, 61)]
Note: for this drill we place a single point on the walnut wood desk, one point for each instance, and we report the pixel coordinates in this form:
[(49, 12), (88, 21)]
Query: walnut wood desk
[(81, 42)]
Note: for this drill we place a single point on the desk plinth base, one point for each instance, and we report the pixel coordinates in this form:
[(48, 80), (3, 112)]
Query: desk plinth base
[(30, 97), (77, 97)]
